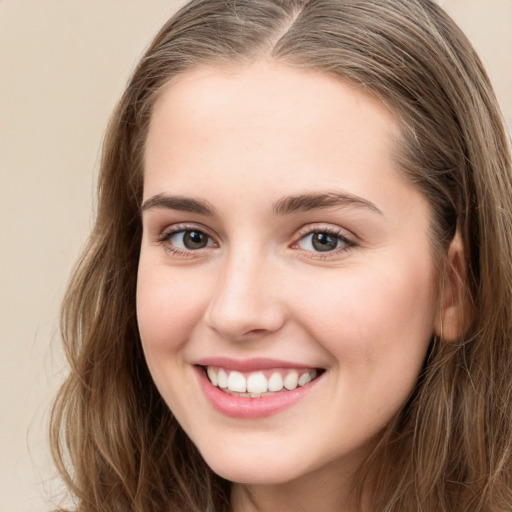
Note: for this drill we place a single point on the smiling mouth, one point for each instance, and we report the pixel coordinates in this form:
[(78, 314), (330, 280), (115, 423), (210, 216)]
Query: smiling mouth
[(258, 384)]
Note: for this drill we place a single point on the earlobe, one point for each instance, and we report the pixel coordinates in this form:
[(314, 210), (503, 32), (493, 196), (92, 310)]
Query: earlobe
[(450, 318)]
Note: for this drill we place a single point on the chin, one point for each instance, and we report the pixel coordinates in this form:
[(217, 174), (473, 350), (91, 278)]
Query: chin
[(250, 475), (255, 471)]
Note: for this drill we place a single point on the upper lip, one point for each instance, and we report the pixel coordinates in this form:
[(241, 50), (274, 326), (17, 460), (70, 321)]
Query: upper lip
[(249, 365)]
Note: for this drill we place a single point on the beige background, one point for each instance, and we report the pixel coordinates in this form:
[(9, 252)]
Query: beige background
[(63, 64)]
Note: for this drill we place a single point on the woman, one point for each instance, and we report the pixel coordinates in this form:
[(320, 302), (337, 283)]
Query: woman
[(297, 293)]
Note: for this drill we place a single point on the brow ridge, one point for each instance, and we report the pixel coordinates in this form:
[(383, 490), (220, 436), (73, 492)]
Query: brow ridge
[(316, 201), (180, 203), (284, 206)]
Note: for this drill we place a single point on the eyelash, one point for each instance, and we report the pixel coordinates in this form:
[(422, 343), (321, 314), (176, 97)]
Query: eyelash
[(167, 234), (348, 242)]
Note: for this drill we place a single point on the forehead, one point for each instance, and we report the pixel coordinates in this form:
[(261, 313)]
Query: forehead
[(268, 94), (268, 123)]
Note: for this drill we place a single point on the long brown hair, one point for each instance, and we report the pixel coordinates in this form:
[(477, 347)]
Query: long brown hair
[(115, 442)]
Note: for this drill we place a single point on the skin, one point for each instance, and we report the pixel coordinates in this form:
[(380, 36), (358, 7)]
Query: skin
[(242, 139)]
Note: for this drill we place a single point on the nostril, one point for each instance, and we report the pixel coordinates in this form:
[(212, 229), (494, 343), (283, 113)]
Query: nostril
[(244, 327)]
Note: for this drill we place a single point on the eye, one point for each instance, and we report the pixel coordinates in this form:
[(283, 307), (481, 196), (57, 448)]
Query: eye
[(188, 239), (324, 241)]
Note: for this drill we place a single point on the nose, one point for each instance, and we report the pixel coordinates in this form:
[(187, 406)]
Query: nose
[(246, 302)]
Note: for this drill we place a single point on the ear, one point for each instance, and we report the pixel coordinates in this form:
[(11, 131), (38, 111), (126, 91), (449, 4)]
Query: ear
[(450, 319)]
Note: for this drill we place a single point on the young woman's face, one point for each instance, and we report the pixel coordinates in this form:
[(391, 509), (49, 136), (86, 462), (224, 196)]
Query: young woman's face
[(282, 248)]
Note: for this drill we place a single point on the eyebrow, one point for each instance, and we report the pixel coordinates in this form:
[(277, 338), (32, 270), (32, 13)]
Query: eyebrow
[(184, 204), (308, 202), (284, 206)]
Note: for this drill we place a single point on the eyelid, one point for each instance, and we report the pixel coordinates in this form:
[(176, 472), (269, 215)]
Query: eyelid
[(319, 227), (349, 238), (169, 231)]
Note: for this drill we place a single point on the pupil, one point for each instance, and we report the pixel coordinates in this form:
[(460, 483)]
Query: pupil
[(324, 242), (194, 240)]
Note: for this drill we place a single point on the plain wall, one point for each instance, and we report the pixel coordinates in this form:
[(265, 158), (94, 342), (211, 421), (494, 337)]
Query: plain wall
[(63, 65)]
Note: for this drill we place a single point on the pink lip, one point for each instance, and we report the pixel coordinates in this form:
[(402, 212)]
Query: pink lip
[(249, 365), (250, 408)]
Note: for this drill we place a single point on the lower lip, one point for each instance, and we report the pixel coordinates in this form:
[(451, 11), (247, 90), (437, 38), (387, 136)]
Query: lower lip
[(251, 408)]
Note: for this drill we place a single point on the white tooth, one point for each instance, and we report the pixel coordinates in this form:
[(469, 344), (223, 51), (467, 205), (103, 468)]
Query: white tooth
[(255, 395), (212, 375), (222, 379), (275, 383), (291, 380), (305, 378), (256, 383), (237, 382)]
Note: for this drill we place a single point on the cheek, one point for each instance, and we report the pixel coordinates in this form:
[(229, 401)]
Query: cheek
[(167, 310), (383, 313)]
